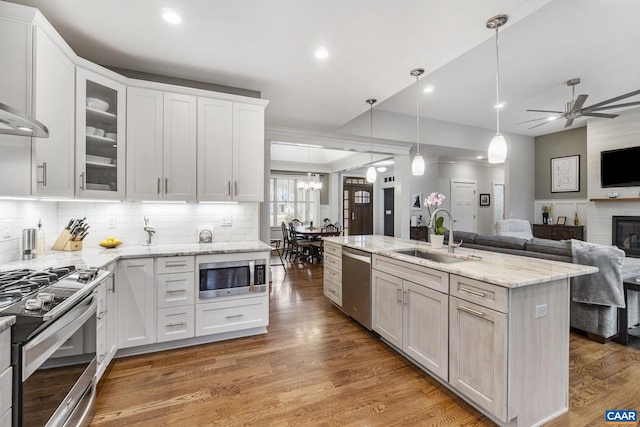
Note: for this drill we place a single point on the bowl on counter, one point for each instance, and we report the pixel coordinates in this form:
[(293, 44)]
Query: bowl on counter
[(110, 245), (97, 104)]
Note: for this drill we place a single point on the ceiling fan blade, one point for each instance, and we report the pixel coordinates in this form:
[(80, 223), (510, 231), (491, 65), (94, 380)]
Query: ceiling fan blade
[(617, 98), (577, 105), (610, 107), (604, 116), (569, 122), (529, 121), (543, 123), (547, 111)]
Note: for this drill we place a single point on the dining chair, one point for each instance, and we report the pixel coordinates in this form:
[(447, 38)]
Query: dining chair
[(296, 222), (275, 246), (287, 248), (300, 248)]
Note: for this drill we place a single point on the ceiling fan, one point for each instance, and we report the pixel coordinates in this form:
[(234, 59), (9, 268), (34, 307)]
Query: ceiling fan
[(574, 109)]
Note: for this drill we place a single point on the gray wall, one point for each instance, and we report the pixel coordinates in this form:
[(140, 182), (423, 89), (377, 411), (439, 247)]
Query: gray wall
[(560, 144)]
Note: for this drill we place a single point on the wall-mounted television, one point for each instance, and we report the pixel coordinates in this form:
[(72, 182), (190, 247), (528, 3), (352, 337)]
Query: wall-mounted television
[(620, 168)]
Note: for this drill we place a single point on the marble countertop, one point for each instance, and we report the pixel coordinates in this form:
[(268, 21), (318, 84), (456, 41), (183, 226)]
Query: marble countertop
[(510, 271), (6, 322), (100, 257)]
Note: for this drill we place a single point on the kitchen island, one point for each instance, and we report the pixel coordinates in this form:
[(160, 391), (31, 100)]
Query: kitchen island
[(492, 327)]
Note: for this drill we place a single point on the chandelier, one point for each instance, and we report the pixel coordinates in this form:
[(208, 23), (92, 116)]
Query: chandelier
[(311, 183)]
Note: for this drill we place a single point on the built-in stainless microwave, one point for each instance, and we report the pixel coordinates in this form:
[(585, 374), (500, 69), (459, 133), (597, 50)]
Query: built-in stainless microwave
[(220, 279)]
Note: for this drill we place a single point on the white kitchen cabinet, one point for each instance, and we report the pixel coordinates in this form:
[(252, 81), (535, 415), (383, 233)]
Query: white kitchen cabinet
[(100, 136), (414, 319), (106, 323), (175, 279), (230, 151), (54, 89), (15, 88), (6, 373), (161, 145), (333, 272), (229, 314), (136, 302)]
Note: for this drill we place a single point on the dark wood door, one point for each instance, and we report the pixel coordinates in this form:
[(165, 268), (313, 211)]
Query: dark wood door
[(388, 212), (357, 207)]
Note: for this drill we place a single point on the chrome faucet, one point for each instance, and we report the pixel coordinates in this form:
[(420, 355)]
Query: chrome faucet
[(451, 247), (149, 230)]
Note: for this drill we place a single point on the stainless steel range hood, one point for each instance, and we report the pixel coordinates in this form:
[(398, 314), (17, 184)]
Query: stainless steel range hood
[(14, 122)]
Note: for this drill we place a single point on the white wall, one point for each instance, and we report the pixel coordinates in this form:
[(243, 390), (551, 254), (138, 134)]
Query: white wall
[(609, 134), (174, 223)]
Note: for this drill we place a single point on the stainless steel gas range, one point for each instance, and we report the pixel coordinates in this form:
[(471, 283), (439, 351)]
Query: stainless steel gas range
[(53, 343)]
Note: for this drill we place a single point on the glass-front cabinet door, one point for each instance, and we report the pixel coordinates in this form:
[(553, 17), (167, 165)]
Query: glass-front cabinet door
[(100, 136)]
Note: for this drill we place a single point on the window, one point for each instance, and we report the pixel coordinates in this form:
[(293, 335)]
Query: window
[(287, 202)]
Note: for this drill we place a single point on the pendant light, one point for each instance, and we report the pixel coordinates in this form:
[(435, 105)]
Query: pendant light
[(498, 146), (417, 165), (371, 172)]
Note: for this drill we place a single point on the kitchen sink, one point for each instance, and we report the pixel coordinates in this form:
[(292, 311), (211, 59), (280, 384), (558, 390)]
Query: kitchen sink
[(446, 259)]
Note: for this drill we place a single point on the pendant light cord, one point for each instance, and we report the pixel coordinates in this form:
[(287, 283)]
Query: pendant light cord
[(417, 115), (497, 85)]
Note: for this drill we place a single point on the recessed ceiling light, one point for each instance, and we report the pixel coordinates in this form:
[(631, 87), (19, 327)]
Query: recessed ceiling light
[(479, 157), (381, 169), (321, 53), (501, 105), (171, 17), (428, 89), (550, 119)]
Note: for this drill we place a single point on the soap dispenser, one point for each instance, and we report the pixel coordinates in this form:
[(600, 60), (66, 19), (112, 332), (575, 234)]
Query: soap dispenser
[(40, 240)]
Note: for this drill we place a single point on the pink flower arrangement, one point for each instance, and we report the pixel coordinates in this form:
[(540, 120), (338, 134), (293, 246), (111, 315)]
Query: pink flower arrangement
[(436, 199)]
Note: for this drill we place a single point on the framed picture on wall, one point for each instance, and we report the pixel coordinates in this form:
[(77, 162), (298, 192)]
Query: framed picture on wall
[(416, 202), (565, 174), (485, 199)]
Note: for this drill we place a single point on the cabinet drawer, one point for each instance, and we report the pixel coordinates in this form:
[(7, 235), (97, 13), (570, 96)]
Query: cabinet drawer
[(425, 276), (5, 346), (175, 289), (332, 261), (333, 249), (333, 291), (332, 275), (482, 293), (231, 315), (175, 323), (5, 390), (174, 264)]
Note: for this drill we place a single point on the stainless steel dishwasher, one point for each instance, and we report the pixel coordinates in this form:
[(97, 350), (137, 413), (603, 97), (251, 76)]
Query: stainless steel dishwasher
[(356, 285)]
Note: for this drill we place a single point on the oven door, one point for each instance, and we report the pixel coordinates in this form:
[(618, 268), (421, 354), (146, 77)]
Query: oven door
[(57, 370), (219, 279)]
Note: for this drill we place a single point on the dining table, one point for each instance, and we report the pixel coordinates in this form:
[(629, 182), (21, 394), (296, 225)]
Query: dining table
[(313, 232)]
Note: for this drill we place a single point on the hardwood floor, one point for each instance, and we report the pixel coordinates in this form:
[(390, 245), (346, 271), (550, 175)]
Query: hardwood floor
[(318, 367)]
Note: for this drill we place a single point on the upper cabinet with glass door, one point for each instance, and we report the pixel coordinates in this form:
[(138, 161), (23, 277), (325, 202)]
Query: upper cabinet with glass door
[(100, 136)]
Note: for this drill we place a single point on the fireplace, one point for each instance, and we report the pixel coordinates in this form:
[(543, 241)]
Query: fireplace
[(626, 234)]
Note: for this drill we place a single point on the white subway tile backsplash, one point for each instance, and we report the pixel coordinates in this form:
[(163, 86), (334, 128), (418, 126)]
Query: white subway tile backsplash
[(174, 223)]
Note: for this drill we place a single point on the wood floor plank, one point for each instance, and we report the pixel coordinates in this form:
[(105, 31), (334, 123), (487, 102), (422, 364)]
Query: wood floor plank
[(317, 367)]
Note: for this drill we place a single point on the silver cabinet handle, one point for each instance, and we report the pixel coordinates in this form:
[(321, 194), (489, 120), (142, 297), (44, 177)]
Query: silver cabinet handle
[(228, 188), (406, 297), (44, 174), (471, 311), (175, 291), (233, 316), (82, 181), (101, 315), (476, 293), (399, 296), (158, 185), (169, 325), (166, 185), (175, 264), (235, 188)]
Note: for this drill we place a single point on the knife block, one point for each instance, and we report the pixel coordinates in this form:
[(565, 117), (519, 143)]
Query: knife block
[(65, 242)]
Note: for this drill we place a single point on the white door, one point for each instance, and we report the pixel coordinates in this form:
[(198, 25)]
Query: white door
[(463, 205)]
